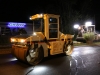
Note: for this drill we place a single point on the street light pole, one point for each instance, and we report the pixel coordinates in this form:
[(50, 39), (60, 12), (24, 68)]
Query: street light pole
[(76, 26)]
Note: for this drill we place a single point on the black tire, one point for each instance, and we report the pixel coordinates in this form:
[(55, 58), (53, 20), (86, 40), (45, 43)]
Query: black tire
[(68, 48), (34, 56)]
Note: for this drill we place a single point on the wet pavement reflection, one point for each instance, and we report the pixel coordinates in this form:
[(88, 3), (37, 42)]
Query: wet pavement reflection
[(83, 61)]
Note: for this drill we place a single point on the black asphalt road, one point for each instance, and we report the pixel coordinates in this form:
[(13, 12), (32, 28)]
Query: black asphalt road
[(83, 61)]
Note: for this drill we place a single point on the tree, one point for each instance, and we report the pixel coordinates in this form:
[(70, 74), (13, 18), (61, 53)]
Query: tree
[(71, 12)]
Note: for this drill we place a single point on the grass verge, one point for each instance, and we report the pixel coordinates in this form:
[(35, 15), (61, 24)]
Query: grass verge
[(92, 44)]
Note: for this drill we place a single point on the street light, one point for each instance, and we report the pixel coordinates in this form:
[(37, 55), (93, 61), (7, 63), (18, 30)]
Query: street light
[(90, 27), (88, 24), (76, 26)]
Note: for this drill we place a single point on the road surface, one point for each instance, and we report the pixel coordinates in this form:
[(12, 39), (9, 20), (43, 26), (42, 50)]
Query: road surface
[(83, 61)]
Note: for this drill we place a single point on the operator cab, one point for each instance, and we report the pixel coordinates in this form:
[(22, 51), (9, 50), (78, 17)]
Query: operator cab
[(48, 24)]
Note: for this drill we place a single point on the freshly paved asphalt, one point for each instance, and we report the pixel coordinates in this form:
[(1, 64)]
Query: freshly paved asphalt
[(83, 61)]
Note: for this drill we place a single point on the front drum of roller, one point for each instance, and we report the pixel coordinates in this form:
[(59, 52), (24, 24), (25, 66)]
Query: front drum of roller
[(20, 52), (28, 54)]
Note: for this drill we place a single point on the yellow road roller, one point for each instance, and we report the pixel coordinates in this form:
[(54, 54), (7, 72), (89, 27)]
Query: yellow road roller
[(45, 41)]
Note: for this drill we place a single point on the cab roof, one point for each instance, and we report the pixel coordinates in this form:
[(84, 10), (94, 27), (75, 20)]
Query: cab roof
[(42, 15)]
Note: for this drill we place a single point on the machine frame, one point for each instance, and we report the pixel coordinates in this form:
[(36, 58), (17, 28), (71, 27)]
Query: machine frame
[(34, 48)]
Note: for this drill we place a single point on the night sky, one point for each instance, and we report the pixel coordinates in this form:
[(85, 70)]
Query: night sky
[(21, 10), (97, 14)]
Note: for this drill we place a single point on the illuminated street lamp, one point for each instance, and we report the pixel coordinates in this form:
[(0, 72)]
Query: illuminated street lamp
[(76, 26), (88, 24)]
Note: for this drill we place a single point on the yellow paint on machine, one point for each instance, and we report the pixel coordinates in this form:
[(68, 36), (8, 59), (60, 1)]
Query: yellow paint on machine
[(56, 47), (20, 52)]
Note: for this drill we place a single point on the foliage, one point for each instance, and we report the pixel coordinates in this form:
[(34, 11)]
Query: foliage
[(89, 36), (71, 12)]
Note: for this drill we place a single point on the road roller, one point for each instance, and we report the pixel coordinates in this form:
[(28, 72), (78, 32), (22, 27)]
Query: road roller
[(46, 40)]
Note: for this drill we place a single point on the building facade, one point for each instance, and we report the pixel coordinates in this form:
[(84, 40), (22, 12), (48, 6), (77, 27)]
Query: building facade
[(9, 29), (15, 28)]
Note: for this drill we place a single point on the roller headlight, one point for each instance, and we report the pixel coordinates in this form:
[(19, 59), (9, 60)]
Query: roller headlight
[(13, 40), (22, 40), (34, 33)]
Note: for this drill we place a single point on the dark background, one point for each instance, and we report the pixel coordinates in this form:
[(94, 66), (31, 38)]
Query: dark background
[(97, 14), (21, 10)]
